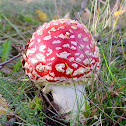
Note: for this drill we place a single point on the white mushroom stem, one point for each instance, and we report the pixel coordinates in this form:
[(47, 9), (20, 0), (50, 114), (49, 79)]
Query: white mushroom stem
[(68, 98)]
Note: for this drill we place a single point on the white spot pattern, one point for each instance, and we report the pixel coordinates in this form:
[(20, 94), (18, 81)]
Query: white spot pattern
[(40, 57), (86, 61), (56, 41), (52, 29), (87, 47), (71, 31), (48, 77), (81, 46), (63, 54), (86, 30), (61, 27), (58, 48), (35, 73), (87, 53), (59, 78), (73, 22), (73, 47), (51, 59), (79, 71), (75, 65), (93, 61), (74, 43), (32, 50), (77, 54), (71, 59), (50, 52), (85, 39), (52, 74), (66, 45), (72, 36), (79, 35), (47, 37), (33, 61), (67, 33), (81, 56), (59, 67), (26, 66), (61, 36), (69, 71), (92, 45), (30, 69), (38, 40), (40, 68), (47, 67), (78, 59), (42, 48), (74, 27), (39, 32)]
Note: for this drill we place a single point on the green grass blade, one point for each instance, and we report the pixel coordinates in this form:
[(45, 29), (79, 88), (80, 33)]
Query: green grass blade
[(109, 68), (123, 50), (17, 30), (6, 50)]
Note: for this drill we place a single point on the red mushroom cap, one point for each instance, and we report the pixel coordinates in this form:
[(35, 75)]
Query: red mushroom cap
[(61, 51)]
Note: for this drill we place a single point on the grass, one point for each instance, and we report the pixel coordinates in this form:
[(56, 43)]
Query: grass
[(107, 95)]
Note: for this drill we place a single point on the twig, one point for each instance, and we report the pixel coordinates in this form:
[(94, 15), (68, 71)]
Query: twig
[(8, 61), (103, 2), (45, 96), (115, 107), (119, 119)]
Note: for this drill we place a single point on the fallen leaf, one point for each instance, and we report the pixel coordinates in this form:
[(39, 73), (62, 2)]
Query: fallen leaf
[(55, 17), (117, 9), (118, 13), (3, 106), (42, 15), (86, 15)]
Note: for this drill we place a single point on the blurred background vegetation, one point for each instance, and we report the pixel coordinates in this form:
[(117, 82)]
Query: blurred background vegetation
[(21, 103)]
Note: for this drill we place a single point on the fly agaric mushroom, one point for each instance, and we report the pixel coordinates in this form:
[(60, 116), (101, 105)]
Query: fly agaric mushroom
[(63, 56)]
